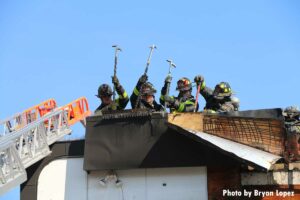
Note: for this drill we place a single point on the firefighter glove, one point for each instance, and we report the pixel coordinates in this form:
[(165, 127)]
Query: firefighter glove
[(168, 79), (199, 79), (115, 80), (169, 99), (143, 79)]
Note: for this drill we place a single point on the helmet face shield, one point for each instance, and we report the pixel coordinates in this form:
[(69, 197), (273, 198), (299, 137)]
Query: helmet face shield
[(147, 89)]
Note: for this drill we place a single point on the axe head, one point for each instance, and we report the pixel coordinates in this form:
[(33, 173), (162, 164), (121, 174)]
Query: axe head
[(153, 47), (117, 48), (171, 63)]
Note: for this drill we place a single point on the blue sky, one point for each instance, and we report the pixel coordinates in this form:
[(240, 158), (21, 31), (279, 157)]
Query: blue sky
[(62, 49)]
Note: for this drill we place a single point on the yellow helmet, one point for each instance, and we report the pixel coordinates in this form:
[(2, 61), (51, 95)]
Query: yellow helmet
[(222, 89)]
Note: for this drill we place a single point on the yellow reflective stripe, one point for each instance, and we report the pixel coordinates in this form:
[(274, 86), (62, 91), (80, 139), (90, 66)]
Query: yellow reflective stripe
[(114, 105), (136, 92), (173, 111), (203, 85), (124, 95), (181, 107), (209, 111), (188, 102), (162, 97)]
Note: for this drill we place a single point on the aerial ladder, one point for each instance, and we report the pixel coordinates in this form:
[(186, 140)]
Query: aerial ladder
[(20, 120), (26, 137)]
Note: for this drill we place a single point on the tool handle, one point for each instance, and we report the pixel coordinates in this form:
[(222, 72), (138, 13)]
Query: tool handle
[(145, 73), (167, 94), (148, 63), (197, 96), (115, 67), (115, 73)]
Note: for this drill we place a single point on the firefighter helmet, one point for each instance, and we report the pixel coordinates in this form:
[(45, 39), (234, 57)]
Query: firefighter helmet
[(222, 89), (184, 84), (104, 90), (148, 89), (291, 111)]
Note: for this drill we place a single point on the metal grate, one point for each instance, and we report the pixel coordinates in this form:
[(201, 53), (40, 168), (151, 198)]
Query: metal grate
[(133, 113), (264, 134)]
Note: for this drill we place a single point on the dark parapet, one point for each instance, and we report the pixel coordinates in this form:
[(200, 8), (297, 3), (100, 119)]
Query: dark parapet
[(121, 143), (144, 141), (274, 113)]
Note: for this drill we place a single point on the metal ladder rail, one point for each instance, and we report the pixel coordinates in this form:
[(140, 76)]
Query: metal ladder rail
[(29, 115), (26, 146), (77, 110), (10, 124)]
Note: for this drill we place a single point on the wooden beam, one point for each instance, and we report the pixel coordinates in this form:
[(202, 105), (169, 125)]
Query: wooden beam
[(192, 121)]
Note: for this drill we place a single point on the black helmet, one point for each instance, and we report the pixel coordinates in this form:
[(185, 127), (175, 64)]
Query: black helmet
[(148, 89), (184, 84), (291, 112), (222, 89), (104, 90)]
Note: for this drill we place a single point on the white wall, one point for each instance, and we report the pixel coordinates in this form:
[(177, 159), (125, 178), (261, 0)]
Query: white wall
[(63, 179), (66, 179)]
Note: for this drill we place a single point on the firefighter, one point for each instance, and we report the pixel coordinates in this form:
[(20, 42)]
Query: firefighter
[(292, 124), (218, 100), (143, 95), (105, 92), (184, 102)]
